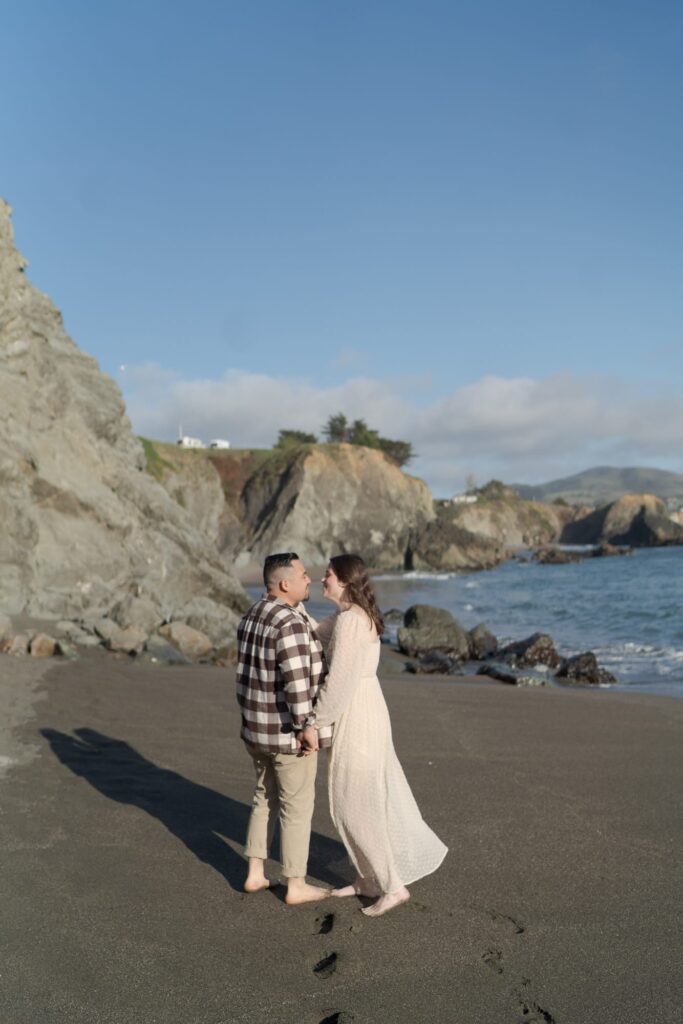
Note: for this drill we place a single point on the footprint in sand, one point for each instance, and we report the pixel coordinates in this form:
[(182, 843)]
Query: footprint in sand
[(532, 1013), (324, 924), (508, 921), (326, 967), (338, 1017), (492, 958)]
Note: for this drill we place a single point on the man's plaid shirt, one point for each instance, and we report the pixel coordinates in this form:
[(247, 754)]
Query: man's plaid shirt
[(280, 668)]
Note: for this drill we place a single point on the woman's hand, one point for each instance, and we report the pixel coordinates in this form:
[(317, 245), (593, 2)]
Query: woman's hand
[(309, 740)]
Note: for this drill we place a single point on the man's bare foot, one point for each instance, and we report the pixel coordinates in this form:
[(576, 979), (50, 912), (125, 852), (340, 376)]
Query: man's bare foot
[(257, 884), (256, 876), (305, 893), (359, 887), (387, 902)]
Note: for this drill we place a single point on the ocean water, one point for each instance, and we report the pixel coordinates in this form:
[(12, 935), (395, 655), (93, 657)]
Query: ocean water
[(627, 610)]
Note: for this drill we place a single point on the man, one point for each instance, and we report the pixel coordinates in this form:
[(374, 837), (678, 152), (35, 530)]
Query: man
[(279, 672)]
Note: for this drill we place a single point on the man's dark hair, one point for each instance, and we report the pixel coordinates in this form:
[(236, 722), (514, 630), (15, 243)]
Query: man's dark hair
[(275, 562)]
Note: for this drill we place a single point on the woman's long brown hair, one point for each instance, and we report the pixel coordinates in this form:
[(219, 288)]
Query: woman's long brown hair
[(352, 572)]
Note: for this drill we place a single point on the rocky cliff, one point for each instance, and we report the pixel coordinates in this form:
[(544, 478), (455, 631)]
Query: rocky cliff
[(86, 532), (512, 522), (315, 500), (482, 534), (640, 520)]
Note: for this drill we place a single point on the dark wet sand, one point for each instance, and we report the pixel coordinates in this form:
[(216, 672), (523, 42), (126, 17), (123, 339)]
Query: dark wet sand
[(560, 899)]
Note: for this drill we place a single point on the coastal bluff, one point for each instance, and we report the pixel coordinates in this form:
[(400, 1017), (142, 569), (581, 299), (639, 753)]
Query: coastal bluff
[(86, 531), (316, 499), (312, 499), (640, 520), (320, 498)]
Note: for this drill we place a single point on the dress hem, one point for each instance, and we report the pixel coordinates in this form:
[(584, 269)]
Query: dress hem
[(426, 874)]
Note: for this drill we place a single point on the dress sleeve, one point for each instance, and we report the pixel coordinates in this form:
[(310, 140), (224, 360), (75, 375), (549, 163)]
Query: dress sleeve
[(325, 628), (350, 639)]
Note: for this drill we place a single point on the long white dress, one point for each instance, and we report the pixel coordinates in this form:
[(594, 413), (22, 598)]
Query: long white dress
[(371, 803)]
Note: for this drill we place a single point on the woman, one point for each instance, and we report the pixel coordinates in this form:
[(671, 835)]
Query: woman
[(371, 803)]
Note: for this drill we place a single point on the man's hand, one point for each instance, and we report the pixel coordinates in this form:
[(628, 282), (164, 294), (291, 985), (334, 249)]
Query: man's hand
[(309, 740)]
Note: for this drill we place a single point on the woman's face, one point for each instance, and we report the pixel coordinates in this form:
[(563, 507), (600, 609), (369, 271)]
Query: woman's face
[(332, 588)]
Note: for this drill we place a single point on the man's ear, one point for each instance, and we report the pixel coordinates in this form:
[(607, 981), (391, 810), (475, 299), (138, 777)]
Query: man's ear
[(283, 584)]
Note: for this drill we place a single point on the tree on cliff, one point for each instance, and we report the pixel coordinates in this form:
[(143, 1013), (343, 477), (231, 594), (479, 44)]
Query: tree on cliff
[(338, 430), (399, 452), (292, 438)]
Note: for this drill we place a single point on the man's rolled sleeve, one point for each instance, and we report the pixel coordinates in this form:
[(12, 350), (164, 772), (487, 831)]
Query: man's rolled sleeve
[(293, 654)]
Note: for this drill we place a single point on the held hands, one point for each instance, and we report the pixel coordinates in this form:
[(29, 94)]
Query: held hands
[(308, 740)]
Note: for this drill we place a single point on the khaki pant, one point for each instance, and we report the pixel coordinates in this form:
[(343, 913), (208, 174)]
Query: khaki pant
[(285, 789)]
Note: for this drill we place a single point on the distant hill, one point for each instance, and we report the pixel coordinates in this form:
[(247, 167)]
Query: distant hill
[(604, 484)]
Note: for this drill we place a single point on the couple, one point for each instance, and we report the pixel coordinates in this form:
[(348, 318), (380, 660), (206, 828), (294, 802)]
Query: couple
[(291, 707)]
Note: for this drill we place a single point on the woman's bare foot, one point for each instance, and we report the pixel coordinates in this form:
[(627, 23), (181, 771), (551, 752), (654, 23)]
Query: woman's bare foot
[(359, 887), (299, 891), (387, 902)]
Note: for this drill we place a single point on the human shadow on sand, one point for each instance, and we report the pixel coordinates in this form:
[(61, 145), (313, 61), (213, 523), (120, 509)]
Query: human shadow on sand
[(196, 815)]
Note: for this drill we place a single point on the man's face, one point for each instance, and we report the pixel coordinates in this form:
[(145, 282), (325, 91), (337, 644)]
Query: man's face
[(298, 582)]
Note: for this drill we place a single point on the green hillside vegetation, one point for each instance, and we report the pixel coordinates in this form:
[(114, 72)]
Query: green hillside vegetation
[(604, 484), (155, 463)]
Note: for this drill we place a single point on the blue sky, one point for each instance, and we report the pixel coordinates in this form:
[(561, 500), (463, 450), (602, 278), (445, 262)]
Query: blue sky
[(461, 221)]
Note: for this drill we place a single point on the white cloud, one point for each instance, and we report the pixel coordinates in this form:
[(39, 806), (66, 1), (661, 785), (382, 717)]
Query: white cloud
[(516, 429)]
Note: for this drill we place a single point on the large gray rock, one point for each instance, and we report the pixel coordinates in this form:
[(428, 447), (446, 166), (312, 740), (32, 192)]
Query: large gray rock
[(82, 524), (584, 668), (537, 649), (428, 629), (482, 643), (130, 640)]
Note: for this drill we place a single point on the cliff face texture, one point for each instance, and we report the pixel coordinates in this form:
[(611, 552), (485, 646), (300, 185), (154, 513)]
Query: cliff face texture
[(480, 535), (315, 500), (84, 528), (514, 523), (640, 520), (330, 499)]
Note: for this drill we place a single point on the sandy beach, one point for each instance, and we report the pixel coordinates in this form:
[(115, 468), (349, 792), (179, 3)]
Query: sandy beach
[(124, 805)]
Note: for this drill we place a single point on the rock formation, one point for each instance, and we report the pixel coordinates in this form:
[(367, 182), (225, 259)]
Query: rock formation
[(502, 517), (332, 499), (315, 500), (86, 531), (639, 520)]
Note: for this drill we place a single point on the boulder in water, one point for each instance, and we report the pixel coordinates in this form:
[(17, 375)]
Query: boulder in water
[(482, 643), (537, 649), (584, 668)]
